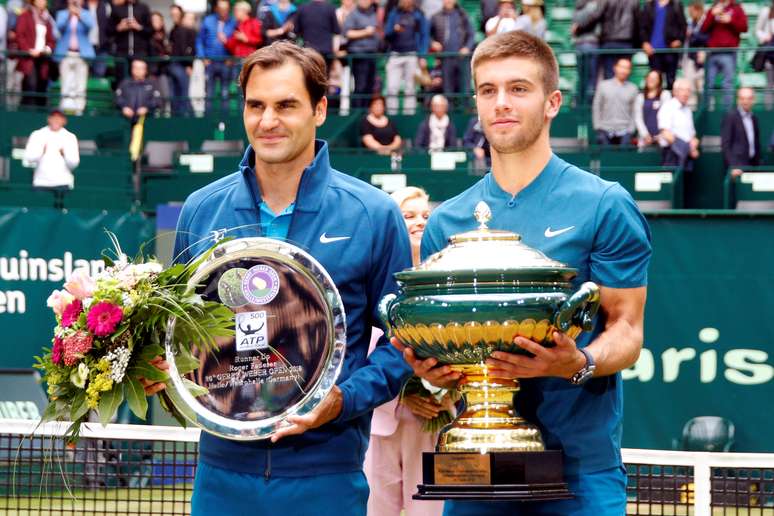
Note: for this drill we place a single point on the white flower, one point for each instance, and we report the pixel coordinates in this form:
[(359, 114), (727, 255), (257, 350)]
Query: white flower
[(78, 376), (119, 359), (437, 392)]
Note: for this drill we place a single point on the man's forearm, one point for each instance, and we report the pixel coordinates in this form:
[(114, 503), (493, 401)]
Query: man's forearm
[(616, 348)]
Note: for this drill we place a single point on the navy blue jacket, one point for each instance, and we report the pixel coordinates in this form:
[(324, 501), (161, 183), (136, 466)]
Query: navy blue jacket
[(362, 265)]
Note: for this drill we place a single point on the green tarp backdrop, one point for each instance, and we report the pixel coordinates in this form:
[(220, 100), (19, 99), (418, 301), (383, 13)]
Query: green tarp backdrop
[(709, 330)]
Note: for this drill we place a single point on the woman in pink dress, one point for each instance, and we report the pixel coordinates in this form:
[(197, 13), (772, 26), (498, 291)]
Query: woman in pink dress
[(393, 462)]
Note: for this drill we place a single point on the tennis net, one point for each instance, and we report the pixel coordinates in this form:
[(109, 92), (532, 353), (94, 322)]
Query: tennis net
[(149, 470)]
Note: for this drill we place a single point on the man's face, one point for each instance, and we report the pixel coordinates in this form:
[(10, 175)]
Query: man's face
[(189, 20), (364, 4), (745, 99), (175, 14), (241, 14), (222, 8), (449, 4), (682, 92), (439, 108), (279, 118), (56, 121), (139, 70), (623, 69), (406, 5), (511, 103)]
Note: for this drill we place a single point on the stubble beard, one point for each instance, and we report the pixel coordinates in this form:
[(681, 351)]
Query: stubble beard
[(524, 139)]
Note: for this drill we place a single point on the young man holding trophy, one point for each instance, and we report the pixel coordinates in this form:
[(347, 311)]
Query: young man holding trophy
[(571, 389), (285, 189)]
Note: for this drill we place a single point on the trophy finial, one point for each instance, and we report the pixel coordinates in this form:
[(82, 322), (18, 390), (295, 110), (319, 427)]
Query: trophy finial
[(483, 214)]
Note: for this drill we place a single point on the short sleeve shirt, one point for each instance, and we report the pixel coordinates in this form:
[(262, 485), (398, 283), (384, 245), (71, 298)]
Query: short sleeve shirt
[(595, 227), (384, 135)]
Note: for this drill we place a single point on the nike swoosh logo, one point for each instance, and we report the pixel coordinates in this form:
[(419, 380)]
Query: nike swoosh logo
[(325, 239), (552, 234)]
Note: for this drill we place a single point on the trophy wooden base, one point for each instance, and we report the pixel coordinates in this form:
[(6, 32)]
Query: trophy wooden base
[(494, 476)]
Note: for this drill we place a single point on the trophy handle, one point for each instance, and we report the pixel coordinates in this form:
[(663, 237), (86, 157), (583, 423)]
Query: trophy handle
[(384, 310), (579, 309)]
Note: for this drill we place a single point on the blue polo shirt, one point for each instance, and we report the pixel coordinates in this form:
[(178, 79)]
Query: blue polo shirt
[(595, 227)]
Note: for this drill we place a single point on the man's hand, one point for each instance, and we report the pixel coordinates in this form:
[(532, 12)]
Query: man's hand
[(464, 51), (440, 376), (328, 410), (479, 152), (142, 111), (736, 173), (420, 406), (127, 112), (563, 360), (152, 388), (436, 46), (648, 48), (222, 38), (694, 145), (240, 36), (668, 136)]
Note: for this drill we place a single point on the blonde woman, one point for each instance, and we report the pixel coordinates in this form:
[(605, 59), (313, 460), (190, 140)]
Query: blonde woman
[(393, 462)]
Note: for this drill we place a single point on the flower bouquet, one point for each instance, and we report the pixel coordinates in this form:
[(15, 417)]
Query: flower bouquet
[(109, 335)]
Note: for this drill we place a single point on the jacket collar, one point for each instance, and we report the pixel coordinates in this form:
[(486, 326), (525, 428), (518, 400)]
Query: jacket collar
[(314, 181)]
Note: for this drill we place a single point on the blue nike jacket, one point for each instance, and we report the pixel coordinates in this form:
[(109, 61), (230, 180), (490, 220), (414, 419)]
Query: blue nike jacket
[(372, 244)]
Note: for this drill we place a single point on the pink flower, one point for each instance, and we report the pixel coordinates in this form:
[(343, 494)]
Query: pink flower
[(58, 300), (71, 313), (81, 285), (103, 318), (56, 351), (75, 346)]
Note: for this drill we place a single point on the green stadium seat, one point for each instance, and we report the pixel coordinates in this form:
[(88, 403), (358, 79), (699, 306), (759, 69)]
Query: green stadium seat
[(560, 14), (752, 191), (654, 188), (753, 80)]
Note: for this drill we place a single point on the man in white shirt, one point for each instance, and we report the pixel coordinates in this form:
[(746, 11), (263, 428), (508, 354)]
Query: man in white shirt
[(53, 150), (677, 134)]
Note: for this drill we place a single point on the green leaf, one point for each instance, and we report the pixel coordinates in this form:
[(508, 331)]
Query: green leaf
[(109, 403), (166, 404), (196, 390), (50, 413), (147, 371), (135, 397), (185, 362), (79, 406), (150, 352)]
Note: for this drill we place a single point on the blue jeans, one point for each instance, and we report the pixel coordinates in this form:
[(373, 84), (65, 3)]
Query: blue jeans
[(595, 494), (603, 138), (227, 493), (224, 73), (609, 60), (589, 68), (181, 102), (723, 63)]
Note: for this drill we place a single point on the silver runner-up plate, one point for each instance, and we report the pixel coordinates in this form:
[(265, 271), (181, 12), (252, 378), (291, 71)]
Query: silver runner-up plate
[(288, 347)]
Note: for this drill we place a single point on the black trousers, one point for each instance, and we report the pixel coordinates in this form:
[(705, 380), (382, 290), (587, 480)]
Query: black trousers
[(364, 71)]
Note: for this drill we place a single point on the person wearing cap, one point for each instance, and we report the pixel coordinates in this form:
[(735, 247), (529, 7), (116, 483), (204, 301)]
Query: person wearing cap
[(532, 18), (505, 21), (53, 150)]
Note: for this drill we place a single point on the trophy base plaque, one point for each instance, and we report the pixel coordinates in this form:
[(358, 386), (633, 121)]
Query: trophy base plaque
[(494, 476)]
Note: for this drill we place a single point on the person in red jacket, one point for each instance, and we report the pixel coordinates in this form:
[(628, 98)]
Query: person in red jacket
[(247, 36), (35, 35), (724, 23)]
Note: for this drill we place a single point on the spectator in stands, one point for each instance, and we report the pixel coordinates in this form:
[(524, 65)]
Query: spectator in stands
[(489, 9), (451, 31), (161, 49), (35, 36), (724, 22), (214, 32), (740, 134), (182, 37), (618, 20), (98, 35), (764, 32), (663, 26), (317, 25), (613, 109), (693, 62), (53, 150), (532, 19), (345, 9), (360, 30), (130, 29), (72, 49), (3, 37), (475, 140), (248, 35), (648, 103), (278, 21), (437, 131), (136, 96), (430, 7), (586, 37), (429, 80), (677, 133), (376, 130), (407, 32), (505, 21)]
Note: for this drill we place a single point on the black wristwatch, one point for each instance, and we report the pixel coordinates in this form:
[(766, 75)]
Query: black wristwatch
[(586, 372)]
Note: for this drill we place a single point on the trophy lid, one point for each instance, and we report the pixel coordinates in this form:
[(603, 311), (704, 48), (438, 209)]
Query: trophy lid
[(485, 254)]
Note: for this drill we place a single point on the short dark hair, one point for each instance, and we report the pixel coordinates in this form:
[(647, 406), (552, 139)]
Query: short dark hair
[(376, 98), (281, 52), (519, 44)]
